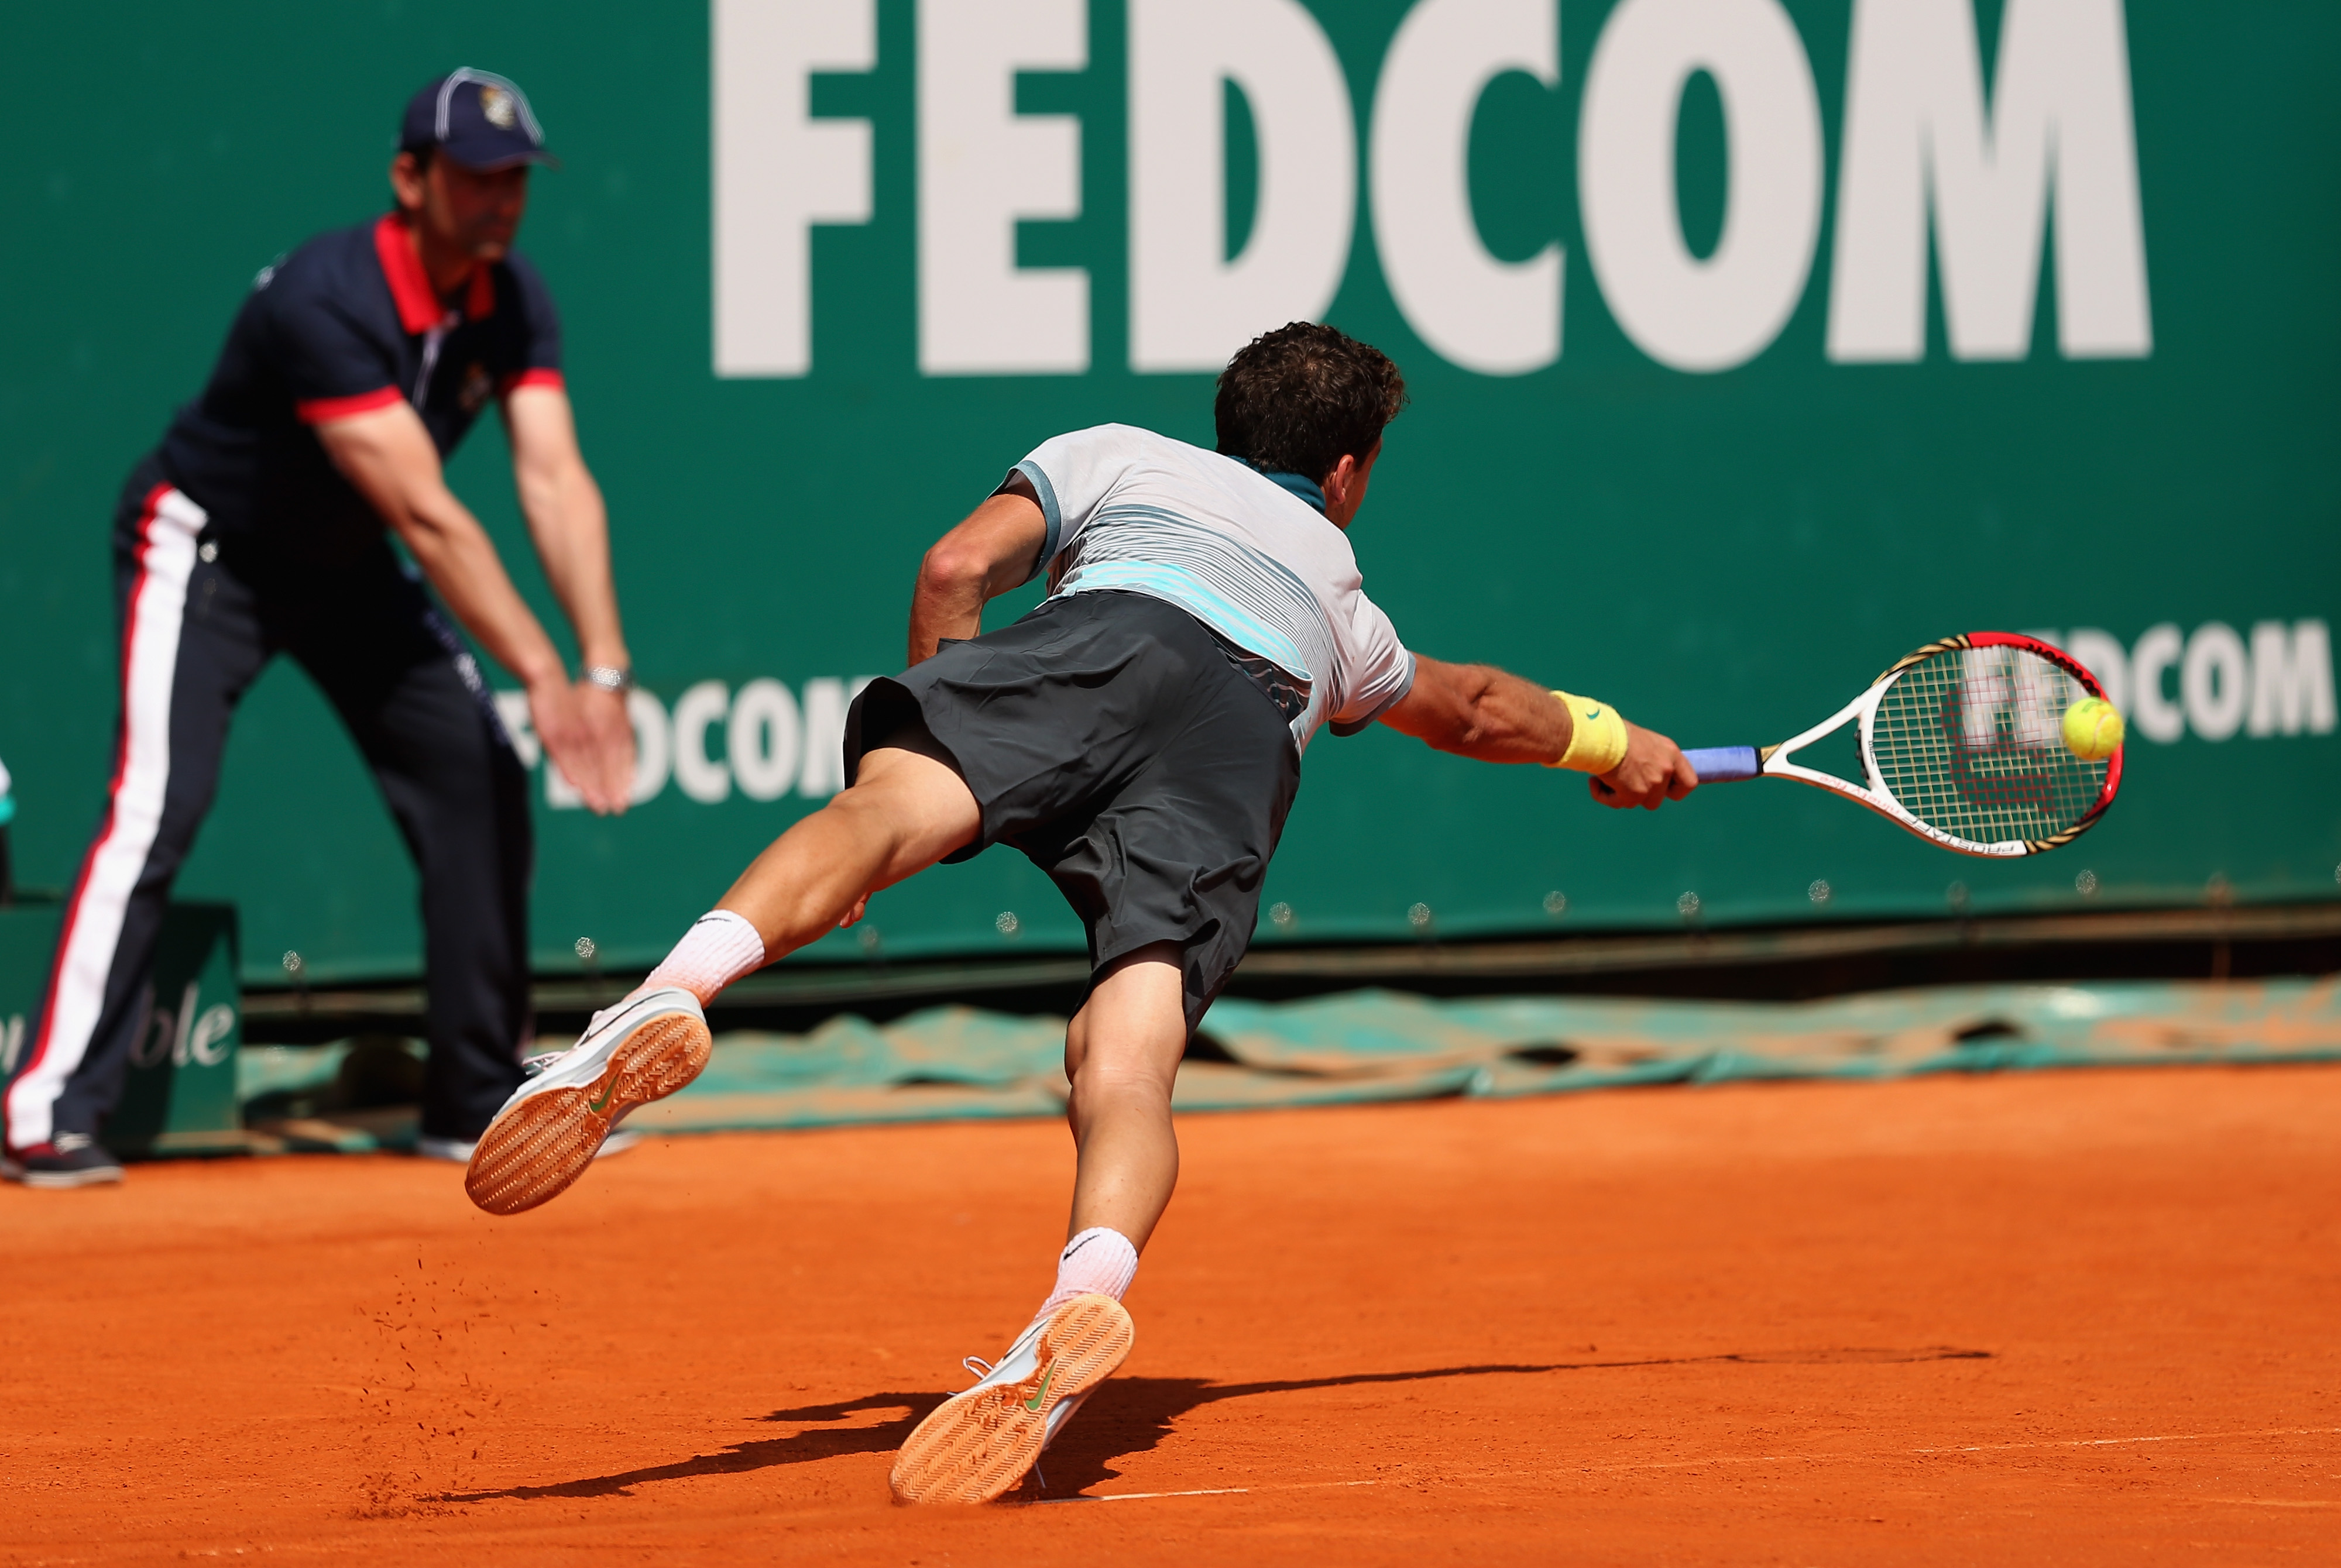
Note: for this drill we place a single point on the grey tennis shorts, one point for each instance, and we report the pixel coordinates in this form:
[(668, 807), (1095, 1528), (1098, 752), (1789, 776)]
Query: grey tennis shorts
[(1114, 740)]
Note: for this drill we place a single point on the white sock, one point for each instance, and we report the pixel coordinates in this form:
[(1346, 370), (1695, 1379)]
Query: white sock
[(719, 948), (1097, 1262)]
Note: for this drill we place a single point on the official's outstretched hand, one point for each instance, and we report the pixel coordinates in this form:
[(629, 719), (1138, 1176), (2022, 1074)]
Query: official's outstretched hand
[(1654, 771), (586, 735)]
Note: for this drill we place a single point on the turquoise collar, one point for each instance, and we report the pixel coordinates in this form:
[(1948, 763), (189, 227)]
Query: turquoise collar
[(1306, 489)]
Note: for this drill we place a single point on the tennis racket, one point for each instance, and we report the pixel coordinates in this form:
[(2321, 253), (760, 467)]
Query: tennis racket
[(1962, 743)]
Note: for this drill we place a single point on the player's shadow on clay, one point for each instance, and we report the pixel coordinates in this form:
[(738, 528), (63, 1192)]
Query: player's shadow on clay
[(1129, 1415), (1132, 1415), (820, 1440)]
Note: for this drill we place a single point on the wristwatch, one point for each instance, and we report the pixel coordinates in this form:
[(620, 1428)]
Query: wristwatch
[(610, 677)]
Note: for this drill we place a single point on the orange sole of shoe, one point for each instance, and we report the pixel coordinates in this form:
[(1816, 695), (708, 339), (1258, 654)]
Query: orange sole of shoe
[(977, 1446), (532, 1151)]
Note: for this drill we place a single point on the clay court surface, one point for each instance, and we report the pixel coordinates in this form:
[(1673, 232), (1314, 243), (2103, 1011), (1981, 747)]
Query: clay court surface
[(2073, 1317)]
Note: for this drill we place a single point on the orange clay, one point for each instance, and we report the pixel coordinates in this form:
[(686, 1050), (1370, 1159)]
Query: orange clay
[(2078, 1317)]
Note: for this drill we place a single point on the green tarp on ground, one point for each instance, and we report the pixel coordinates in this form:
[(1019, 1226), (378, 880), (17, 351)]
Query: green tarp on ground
[(960, 1063)]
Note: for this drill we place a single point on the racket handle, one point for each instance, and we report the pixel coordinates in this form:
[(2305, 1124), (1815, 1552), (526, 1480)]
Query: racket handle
[(1725, 764)]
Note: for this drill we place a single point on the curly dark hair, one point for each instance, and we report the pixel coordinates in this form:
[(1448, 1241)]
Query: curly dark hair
[(1303, 397)]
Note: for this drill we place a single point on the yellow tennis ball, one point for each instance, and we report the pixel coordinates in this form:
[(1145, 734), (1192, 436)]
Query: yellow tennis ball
[(2093, 729)]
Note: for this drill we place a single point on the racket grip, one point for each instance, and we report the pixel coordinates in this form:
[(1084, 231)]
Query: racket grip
[(1725, 764)]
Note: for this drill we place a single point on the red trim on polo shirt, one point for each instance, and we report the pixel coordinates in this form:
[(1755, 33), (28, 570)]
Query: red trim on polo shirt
[(319, 410), (539, 377), (419, 307), (480, 300)]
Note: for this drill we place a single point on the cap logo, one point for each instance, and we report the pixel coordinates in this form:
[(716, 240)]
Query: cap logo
[(501, 104)]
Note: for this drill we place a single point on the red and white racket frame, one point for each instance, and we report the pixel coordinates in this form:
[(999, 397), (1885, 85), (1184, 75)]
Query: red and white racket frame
[(1777, 761)]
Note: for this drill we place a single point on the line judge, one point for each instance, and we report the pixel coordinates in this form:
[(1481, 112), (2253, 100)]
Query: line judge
[(262, 525)]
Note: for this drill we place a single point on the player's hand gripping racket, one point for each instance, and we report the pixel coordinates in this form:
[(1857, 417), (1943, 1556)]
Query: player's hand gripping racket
[(1965, 742)]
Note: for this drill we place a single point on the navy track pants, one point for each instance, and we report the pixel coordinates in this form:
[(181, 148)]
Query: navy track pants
[(198, 624)]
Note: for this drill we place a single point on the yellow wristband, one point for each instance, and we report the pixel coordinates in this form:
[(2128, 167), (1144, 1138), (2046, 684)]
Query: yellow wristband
[(1596, 736)]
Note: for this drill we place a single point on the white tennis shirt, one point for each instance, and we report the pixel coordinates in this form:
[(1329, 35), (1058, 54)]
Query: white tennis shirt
[(1137, 513)]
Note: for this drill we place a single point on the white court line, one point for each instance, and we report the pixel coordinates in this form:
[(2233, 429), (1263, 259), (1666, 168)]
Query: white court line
[(1969, 1448), (1206, 1492), (1725, 1459), (2108, 1442)]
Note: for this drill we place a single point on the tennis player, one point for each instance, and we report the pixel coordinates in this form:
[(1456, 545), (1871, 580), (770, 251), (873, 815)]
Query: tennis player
[(1139, 736)]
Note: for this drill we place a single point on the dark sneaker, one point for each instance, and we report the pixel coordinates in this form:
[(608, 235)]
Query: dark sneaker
[(67, 1159)]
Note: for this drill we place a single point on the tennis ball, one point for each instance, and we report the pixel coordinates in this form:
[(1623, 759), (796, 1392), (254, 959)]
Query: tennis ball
[(2093, 729)]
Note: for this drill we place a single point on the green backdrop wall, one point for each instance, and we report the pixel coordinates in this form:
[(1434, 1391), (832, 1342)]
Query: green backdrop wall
[(1762, 462)]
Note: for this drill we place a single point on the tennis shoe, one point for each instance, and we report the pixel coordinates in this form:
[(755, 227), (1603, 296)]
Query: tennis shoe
[(556, 1123), (66, 1160), (982, 1442)]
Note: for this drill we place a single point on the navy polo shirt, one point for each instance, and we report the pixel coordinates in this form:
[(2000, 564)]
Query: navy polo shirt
[(346, 323)]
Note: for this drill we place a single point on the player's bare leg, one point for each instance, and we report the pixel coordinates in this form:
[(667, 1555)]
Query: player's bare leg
[(1122, 1054), (903, 813)]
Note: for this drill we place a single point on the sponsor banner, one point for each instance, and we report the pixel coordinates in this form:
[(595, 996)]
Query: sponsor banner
[(1753, 343), (179, 1094)]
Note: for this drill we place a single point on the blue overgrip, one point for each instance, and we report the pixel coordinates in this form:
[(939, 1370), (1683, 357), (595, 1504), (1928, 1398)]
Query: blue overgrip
[(1724, 764)]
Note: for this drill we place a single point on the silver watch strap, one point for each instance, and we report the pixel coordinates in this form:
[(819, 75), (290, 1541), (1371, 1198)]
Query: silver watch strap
[(610, 677)]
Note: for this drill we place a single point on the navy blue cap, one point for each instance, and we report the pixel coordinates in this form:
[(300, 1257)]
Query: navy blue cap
[(478, 118)]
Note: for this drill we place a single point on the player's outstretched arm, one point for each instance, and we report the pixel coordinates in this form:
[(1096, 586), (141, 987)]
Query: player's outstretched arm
[(1478, 711), (993, 550), (388, 455)]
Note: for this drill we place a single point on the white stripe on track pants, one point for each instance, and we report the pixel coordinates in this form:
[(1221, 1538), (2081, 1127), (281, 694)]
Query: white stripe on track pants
[(195, 634)]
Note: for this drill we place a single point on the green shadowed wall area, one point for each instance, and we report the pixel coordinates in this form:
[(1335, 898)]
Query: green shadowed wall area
[(1730, 498)]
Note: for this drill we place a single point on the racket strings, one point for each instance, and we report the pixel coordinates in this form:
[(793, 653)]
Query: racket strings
[(1970, 741)]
